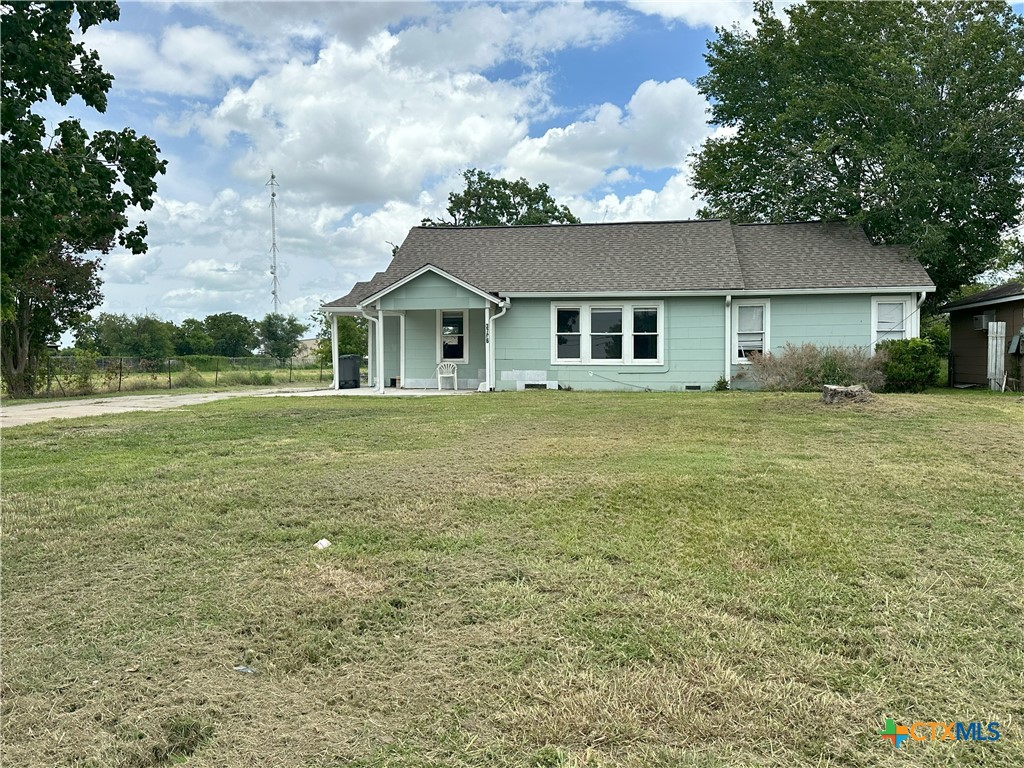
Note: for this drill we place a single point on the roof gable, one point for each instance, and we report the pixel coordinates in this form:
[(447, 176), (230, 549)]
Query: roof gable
[(431, 269)]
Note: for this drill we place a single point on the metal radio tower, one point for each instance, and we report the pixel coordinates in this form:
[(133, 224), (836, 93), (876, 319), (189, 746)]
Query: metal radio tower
[(275, 284)]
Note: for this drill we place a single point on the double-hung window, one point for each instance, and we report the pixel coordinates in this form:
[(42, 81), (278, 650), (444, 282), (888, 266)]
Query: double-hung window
[(891, 318), (608, 333), (750, 327), (452, 327), (568, 333)]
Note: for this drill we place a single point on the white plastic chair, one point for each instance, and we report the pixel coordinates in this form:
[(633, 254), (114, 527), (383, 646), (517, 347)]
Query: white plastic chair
[(447, 371)]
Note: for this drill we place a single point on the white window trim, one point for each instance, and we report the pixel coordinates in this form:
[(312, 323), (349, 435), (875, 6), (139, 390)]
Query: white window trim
[(911, 316), (734, 333), (465, 336), (627, 308)]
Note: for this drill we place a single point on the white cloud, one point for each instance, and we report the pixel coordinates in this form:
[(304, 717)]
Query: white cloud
[(480, 36), (184, 61), (351, 22), (129, 268), (707, 13), (699, 13), (223, 275), (354, 128), (673, 201), (660, 125)]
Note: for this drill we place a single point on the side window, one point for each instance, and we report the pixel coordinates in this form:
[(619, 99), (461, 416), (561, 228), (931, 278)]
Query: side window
[(750, 329), (890, 322)]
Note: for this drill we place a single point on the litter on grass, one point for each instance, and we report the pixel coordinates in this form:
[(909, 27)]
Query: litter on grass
[(322, 544)]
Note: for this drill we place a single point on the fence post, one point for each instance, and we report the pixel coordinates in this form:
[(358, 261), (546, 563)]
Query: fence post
[(290, 359), (216, 373), (49, 374), (120, 372), (321, 370), (169, 373)]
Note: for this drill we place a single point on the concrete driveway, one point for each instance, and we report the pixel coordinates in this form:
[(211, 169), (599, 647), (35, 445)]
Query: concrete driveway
[(31, 413)]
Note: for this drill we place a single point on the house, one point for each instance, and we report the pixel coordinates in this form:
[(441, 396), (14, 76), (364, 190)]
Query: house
[(662, 305), (969, 320), (306, 349)]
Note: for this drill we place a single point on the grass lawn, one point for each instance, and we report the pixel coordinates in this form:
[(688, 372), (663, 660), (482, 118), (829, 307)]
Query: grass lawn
[(522, 579)]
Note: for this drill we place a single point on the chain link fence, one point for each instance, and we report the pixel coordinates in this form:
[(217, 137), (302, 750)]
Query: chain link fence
[(84, 373)]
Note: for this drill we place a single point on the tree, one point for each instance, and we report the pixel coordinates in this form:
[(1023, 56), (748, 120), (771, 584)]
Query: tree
[(279, 335), (64, 195), (149, 338), (904, 117), (106, 334), (351, 336), (142, 336), (490, 202), (191, 338), (233, 335)]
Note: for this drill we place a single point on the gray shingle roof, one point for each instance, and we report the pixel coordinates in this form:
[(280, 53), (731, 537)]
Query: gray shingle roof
[(706, 255), (1012, 288)]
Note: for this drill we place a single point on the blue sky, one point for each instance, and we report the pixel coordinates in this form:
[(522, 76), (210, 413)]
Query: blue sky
[(368, 113)]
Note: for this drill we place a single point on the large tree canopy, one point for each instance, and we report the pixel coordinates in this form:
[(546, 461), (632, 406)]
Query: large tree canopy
[(490, 202), (906, 117), (64, 194)]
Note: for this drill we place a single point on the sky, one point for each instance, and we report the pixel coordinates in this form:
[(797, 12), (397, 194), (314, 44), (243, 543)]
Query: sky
[(368, 113)]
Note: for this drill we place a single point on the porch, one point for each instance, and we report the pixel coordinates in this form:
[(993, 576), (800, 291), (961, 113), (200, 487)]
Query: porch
[(426, 319)]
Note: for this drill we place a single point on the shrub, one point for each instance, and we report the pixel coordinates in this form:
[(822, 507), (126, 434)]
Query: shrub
[(247, 378), (910, 365), (807, 368), (936, 330), (190, 378), (84, 370)]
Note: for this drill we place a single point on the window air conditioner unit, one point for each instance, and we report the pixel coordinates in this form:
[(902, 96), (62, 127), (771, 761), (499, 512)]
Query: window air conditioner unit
[(981, 321)]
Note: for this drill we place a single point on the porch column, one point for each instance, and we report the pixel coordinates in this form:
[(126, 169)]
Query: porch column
[(334, 351), (401, 349), (488, 369), (380, 350)]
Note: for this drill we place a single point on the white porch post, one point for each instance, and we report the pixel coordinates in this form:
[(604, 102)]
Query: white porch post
[(334, 352), (727, 375), (371, 358), (380, 350), (401, 349), (488, 366)]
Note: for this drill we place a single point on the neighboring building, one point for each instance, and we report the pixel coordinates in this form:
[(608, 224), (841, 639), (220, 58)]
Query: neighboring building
[(668, 305), (306, 350), (968, 333)]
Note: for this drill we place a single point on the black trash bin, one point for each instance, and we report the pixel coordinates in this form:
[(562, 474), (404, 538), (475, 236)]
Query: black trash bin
[(348, 371)]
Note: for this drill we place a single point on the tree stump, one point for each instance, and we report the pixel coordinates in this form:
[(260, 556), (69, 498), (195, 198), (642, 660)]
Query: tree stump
[(832, 394)]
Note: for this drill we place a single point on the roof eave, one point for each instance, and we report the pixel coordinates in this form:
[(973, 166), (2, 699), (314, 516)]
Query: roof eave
[(984, 303)]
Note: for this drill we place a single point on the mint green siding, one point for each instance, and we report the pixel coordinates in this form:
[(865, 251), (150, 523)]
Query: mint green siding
[(421, 350), (431, 291), (695, 352), (836, 321), (694, 349), (839, 320)]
